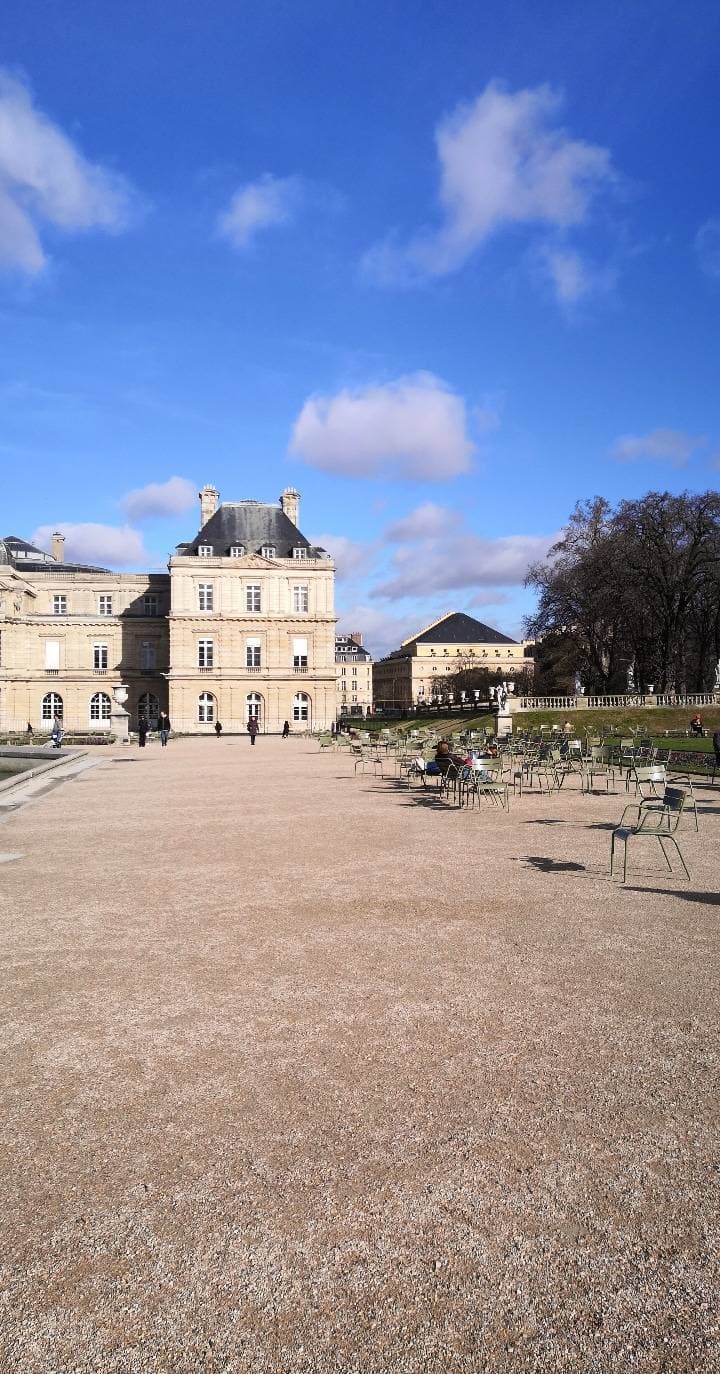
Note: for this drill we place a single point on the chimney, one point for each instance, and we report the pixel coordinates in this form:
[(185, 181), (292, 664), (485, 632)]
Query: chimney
[(58, 546), (356, 637), (209, 501), (290, 504)]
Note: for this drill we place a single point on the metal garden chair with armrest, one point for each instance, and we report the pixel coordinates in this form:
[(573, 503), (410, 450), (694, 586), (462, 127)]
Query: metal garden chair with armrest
[(655, 821)]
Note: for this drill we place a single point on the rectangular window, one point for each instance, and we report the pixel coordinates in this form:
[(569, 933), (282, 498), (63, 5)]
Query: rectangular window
[(205, 550), (268, 550), (300, 552), (354, 672), (300, 598), (237, 551), (343, 671), (150, 603), (205, 653), (52, 654), (252, 597), (300, 653), (252, 653), (59, 605), (205, 596), (147, 655), (100, 657), (104, 605)]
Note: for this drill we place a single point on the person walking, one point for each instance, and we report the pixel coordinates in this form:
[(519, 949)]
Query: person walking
[(286, 729), (252, 729), (57, 733), (142, 732), (164, 728), (218, 729)]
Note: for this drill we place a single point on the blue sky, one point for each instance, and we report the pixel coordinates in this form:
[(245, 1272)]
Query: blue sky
[(446, 268)]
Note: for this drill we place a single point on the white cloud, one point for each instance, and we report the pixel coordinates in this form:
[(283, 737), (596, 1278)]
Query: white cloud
[(425, 522), (504, 161), (707, 247), (121, 547), (159, 499), (382, 630), (457, 558), (415, 427), (661, 445), (352, 558), (263, 204), (44, 177), (573, 276)]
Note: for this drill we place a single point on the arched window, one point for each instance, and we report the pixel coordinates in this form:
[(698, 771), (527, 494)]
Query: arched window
[(301, 706), (100, 705), (253, 706), (149, 708), (52, 706), (206, 708)]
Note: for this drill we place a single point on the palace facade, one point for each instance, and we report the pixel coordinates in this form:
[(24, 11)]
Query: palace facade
[(418, 672), (242, 625), (354, 675)]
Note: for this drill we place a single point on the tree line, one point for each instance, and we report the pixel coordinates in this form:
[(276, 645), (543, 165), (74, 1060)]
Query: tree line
[(630, 596)]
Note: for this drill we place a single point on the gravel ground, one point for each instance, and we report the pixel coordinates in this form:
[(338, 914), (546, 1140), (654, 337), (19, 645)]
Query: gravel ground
[(305, 1072)]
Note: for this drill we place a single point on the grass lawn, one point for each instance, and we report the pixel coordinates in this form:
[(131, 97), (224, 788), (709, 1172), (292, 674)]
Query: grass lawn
[(659, 723)]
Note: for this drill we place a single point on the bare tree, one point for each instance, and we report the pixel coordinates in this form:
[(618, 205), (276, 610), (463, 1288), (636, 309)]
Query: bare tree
[(638, 585)]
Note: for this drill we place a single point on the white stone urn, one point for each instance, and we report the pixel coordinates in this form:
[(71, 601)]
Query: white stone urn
[(119, 716)]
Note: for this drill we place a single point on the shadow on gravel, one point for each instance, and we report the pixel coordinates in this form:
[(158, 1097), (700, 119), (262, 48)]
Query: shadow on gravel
[(545, 865), (705, 898), (602, 825), (548, 821)]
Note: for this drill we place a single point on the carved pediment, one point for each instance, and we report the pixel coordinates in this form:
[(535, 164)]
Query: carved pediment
[(253, 560)]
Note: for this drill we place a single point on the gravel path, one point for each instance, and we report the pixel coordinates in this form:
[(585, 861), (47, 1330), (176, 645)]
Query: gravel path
[(305, 1072)]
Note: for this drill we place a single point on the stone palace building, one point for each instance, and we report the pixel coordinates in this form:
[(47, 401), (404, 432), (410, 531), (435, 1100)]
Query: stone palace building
[(242, 624), (416, 674)]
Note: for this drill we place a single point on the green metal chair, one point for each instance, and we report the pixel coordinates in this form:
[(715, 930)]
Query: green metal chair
[(655, 821)]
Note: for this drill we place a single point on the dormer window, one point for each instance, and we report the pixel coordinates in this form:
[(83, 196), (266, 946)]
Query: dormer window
[(237, 551), (205, 550), (268, 550), (300, 552)]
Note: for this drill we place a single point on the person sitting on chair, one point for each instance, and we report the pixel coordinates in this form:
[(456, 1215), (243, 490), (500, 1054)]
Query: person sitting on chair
[(444, 760), (696, 725)]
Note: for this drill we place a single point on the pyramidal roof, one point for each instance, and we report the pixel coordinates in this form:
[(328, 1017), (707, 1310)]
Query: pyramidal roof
[(458, 628)]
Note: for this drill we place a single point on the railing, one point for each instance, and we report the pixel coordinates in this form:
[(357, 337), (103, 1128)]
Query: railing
[(206, 670), (253, 669), (300, 670), (623, 701), (52, 672), (100, 672)]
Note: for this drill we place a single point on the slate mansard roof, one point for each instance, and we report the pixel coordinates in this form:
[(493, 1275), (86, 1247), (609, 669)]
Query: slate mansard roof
[(458, 628), (253, 526), (25, 556), (345, 645)]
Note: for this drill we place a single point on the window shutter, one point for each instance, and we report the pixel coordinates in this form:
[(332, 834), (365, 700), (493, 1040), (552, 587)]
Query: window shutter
[(52, 653), (299, 648)]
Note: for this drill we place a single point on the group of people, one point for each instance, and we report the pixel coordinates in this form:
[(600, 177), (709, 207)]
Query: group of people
[(447, 762), (163, 728)]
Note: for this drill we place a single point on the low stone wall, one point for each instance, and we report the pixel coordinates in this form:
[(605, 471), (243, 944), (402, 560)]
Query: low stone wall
[(612, 703)]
